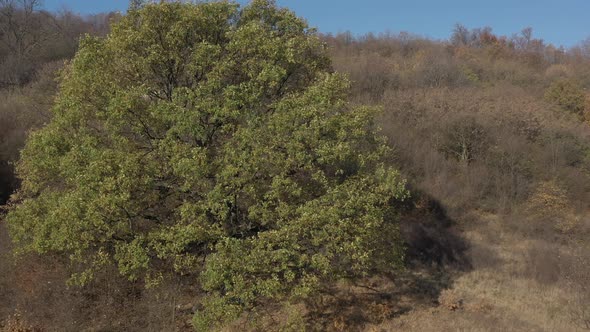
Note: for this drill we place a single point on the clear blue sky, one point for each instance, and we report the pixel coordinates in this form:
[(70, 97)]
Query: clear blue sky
[(560, 22)]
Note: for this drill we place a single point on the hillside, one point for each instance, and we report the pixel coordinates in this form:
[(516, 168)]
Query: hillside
[(477, 126), (492, 134)]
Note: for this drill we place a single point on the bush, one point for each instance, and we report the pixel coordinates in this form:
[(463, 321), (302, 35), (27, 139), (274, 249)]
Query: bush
[(558, 72), (438, 69), (464, 139), (371, 74), (550, 204), (568, 95), (15, 323), (201, 138)]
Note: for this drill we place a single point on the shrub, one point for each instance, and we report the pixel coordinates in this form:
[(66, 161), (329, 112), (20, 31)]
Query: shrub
[(550, 203), (568, 95), (201, 138), (438, 69), (15, 323), (464, 139), (371, 74), (558, 72)]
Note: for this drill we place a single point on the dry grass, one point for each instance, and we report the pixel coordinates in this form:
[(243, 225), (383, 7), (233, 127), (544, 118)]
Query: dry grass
[(515, 293)]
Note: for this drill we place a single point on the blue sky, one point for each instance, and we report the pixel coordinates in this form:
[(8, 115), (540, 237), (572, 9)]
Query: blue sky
[(563, 22)]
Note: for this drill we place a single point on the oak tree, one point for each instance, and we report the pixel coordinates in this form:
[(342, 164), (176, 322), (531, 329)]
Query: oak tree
[(214, 140)]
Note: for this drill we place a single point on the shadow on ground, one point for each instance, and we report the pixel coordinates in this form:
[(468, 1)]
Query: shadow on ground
[(436, 255)]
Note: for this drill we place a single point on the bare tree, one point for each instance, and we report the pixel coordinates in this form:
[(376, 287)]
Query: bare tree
[(460, 35), (23, 28)]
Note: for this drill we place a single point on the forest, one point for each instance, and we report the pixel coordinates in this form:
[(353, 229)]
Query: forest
[(213, 166)]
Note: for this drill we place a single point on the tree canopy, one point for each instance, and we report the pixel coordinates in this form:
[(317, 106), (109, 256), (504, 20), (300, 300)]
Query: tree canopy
[(212, 140)]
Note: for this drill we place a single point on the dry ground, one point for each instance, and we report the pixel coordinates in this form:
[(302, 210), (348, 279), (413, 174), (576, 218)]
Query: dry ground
[(515, 284)]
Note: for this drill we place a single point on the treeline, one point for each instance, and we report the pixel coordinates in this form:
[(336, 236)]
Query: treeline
[(34, 43), (468, 58), (482, 120)]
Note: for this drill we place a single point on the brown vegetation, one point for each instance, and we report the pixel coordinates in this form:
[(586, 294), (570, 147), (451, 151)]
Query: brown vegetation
[(491, 131), (492, 128), (33, 47)]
